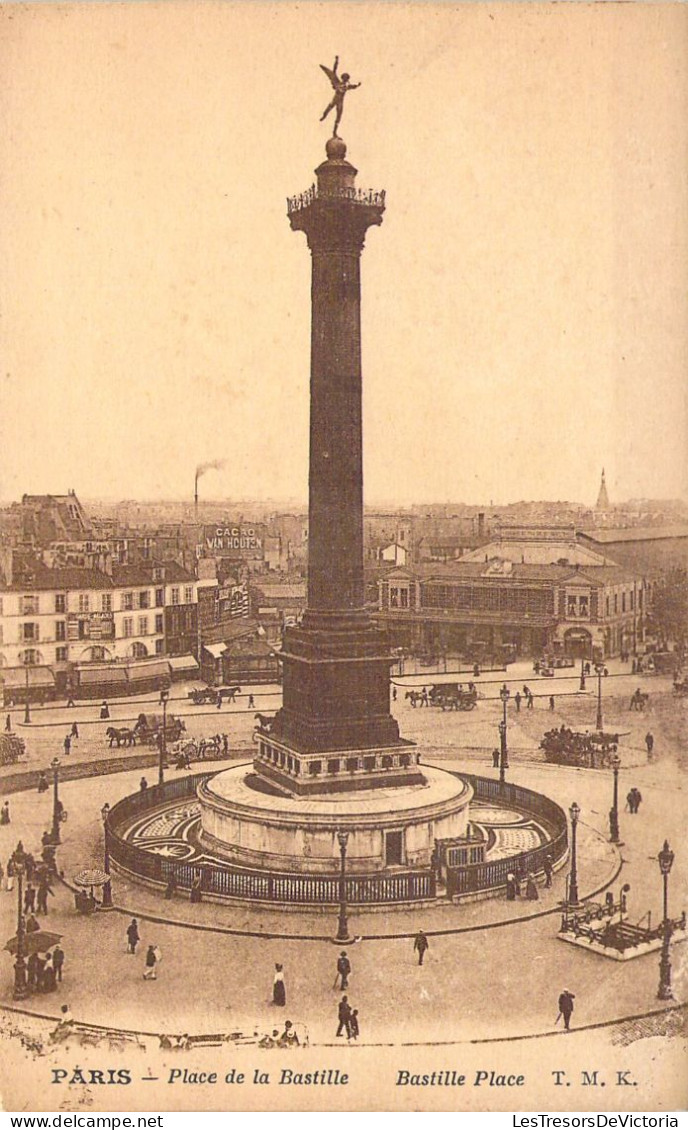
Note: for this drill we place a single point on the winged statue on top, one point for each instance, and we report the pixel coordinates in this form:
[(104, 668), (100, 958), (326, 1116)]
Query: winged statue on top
[(341, 86)]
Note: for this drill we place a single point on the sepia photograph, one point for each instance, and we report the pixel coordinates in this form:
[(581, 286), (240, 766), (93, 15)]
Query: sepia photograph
[(343, 557)]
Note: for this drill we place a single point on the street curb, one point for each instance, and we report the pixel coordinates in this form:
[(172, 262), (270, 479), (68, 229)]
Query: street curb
[(678, 1007)]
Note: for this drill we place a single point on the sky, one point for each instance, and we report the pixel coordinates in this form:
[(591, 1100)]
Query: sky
[(523, 309)]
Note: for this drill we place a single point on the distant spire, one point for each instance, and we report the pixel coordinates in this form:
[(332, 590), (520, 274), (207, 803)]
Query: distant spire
[(602, 498)]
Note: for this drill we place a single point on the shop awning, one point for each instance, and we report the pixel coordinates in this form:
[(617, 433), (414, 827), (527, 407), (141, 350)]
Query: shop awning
[(183, 663), (101, 676), (138, 672), (217, 650), (38, 676)]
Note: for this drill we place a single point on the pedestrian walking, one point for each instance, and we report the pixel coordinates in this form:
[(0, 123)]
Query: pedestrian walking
[(225, 744), (650, 743), (44, 889), (394, 693), (530, 700), (75, 730), (532, 892), (424, 696), (153, 959), (549, 870), (42, 786), (143, 784), (420, 946), (70, 700), (104, 711), (279, 992), (32, 925), (29, 899), (637, 798), (67, 744), (343, 970), (510, 887), (344, 1015), (5, 813), (517, 884), (251, 702), (58, 961), (629, 801), (195, 893), (353, 1024), (566, 1000), (8, 724), (495, 759), (219, 700), (133, 936), (551, 702), (517, 700)]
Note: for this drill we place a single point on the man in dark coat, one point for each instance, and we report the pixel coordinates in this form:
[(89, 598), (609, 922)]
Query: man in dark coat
[(495, 759), (343, 969), (58, 961), (566, 1000), (133, 935), (420, 945), (344, 1014)]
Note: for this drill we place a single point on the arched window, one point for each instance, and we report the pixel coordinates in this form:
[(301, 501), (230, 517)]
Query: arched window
[(138, 650)]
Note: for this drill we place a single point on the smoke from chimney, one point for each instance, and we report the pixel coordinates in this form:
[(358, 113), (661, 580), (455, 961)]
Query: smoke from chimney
[(213, 465)]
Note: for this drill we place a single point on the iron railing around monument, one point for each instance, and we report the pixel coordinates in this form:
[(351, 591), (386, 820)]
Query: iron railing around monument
[(233, 882), (477, 877), (356, 195)]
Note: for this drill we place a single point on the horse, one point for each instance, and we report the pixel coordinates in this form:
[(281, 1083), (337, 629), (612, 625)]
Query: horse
[(414, 697), (639, 701), (124, 736), (264, 722), (229, 693)]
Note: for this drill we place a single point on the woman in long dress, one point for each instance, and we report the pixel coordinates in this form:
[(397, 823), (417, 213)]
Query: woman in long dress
[(531, 887), (279, 993)]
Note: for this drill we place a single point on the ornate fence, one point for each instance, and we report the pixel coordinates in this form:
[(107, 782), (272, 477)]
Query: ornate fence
[(477, 877), (229, 881)]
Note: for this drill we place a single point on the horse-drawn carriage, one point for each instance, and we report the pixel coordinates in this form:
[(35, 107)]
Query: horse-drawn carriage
[(570, 747), (453, 696), (210, 696), (198, 749), (11, 749), (149, 728)]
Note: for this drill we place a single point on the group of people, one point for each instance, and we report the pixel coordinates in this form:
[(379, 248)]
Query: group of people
[(633, 799), (527, 695), (44, 971), (153, 958), (520, 882), (515, 883)]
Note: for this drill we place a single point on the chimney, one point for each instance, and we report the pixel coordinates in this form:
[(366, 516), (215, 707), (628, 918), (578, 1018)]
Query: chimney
[(481, 525)]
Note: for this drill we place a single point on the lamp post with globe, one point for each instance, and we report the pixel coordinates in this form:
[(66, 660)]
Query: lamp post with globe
[(573, 899), (665, 860)]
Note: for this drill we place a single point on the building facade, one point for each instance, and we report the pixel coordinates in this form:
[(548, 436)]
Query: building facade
[(500, 610)]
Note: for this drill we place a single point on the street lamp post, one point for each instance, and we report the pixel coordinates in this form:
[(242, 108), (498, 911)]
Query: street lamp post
[(55, 765), (665, 860), (107, 887), (582, 678), (598, 719), (21, 988), (164, 696), (342, 924), (27, 708), (614, 811), (574, 813), (503, 750)]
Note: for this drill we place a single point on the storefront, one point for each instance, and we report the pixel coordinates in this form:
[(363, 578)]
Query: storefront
[(19, 683)]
